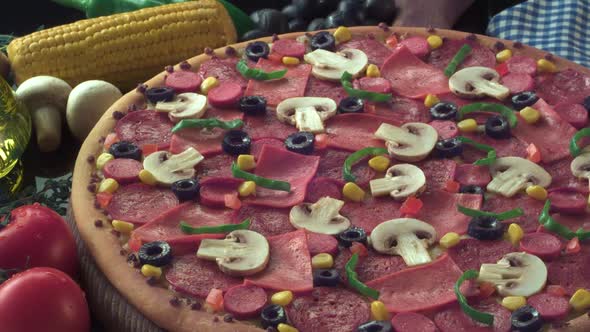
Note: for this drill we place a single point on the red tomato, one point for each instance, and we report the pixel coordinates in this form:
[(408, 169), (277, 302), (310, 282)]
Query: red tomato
[(43, 299), (37, 236)]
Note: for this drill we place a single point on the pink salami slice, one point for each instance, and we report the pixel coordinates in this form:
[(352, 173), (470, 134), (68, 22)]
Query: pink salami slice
[(291, 85), (123, 170), (373, 84), (471, 253), (550, 306), (327, 89), (438, 172), (183, 81), (544, 245), (266, 221), (479, 55), (562, 177), (454, 319), (328, 309), (289, 47), (572, 272), (289, 266), (575, 114), (520, 64), (245, 301), (469, 174), (145, 127), (402, 110), (267, 126), (531, 207), (340, 127), (375, 50), (282, 165), (332, 161), (225, 95), (258, 144), (417, 45), (411, 321), (370, 267), (440, 211), (518, 82), (568, 201), (412, 78), (223, 69), (218, 165), (321, 243), (139, 203), (213, 190), (380, 209), (194, 276), (504, 147), (572, 221), (445, 129), (566, 86), (323, 187)]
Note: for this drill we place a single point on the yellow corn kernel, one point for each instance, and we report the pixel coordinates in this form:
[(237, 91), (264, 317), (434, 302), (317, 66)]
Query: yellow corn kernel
[(122, 226), (208, 84), (373, 71), (290, 61), (282, 327), (342, 34), (513, 302), (246, 162), (449, 240), (378, 311), (546, 66), (434, 41), (431, 100), (282, 298), (379, 163), (514, 234), (537, 192), (247, 188), (467, 126), (530, 115), (151, 271), (147, 177), (103, 159), (353, 192), (322, 261), (108, 186), (503, 55), (580, 301)]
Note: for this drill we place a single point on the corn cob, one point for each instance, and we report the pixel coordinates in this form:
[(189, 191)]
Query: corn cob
[(123, 49)]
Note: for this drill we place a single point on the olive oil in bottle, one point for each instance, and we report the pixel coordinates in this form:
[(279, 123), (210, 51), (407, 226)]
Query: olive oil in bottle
[(15, 129)]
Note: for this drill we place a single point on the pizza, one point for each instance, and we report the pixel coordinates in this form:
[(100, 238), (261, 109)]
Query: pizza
[(362, 179)]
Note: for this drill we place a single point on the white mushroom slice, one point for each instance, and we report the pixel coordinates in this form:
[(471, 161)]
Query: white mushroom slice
[(306, 113), (322, 216), (411, 142), (168, 168), (184, 106), (516, 274), (475, 82), (400, 181), (580, 166), (406, 237), (241, 253), (513, 174), (330, 66)]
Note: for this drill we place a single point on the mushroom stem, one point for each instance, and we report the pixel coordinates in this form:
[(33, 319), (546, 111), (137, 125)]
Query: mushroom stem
[(47, 123), (219, 249), (507, 183), (412, 250), (308, 119)]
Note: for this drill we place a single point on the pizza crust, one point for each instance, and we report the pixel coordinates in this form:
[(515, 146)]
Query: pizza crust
[(153, 302)]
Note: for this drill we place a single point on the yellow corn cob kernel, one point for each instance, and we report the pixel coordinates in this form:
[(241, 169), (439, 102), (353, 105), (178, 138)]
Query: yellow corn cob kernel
[(147, 177), (379, 163), (378, 311), (103, 159), (537, 192), (290, 61), (322, 261), (514, 234), (208, 84), (342, 34), (546, 66), (108, 186), (513, 302), (530, 115), (151, 271), (247, 188), (282, 327), (431, 100), (467, 126), (353, 192), (246, 162), (580, 301), (122, 226), (373, 71), (282, 298), (434, 41), (503, 55), (449, 240)]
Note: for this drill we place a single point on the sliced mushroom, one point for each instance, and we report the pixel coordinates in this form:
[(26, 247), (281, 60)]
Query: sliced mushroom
[(306, 113), (330, 66), (580, 166), (241, 253), (516, 274), (513, 174), (168, 168), (184, 106), (475, 82), (411, 142), (322, 216), (400, 181), (406, 237)]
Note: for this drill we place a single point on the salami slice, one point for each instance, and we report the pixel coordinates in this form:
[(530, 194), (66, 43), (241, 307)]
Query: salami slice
[(562, 177), (544, 245), (471, 253), (440, 211), (332, 161), (566, 86), (245, 301), (267, 126), (438, 172), (469, 174), (517, 82), (261, 142), (216, 166), (321, 243), (411, 321), (213, 190), (183, 81), (327, 89), (145, 127), (123, 170), (445, 129), (568, 201), (531, 207), (266, 221), (225, 95), (402, 110), (139, 203), (376, 52), (504, 147), (550, 306), (454, 319), (572, 272), (573, 221), (575, 114), (379, 208), (194, 276), (328, 309), (289, 47), (223, 69), (479, 55), (340, 127), (321, 187), (373, 84), (417, 45), (520, 64), (370, 267)]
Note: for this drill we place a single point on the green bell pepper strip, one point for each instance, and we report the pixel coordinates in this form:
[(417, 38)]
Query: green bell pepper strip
[(258, 74), (356, 156), (482, 317), (500, 216), (207, 123), (553, 226), (491, 157), (575, 150), (354, 282), (507, 112), (188, 229), (346, 81), (457, 60), (259, 180)]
